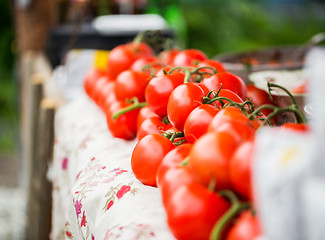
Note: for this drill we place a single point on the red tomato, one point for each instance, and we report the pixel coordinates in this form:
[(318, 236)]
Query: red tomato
[(152, 125), (192, 211), (149, 64), (228, 113), (209, 158), (302, 88), (105, 92), (300, 127), (240, 169), (109, 98), (90, 80), (123, 56), (99, 85), (189, 57), (227, 94), (183, 100), (247, 227), (174, 178), (144, 113), (213, 64), (173, 159), (167, 56), (159, 89), (125, 125), (131, 84), (198, 121), (228, 81), (147, 155), (259, 97)]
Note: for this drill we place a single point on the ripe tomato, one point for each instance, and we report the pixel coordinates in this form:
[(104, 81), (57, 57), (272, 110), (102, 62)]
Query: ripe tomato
[(147, 156), (167, 56), (149, 64), (240, 169), (213, 64), (209, 158), (173, 159), (198, 121), (124, 126), (105, 92), (152, 125), (301, 127), (159, 89), (91, 78), (259, 97), (174, 178), (144, 113), (227, 94), (183, 100), (192, 210), (228, 81), (247, 227), (131, 84), (123, 56), (189, 57), (99, 85)]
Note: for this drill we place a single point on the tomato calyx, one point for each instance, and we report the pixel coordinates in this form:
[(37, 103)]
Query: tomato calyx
[(135, 105), (172, 136), (235, 209), (190, 72)]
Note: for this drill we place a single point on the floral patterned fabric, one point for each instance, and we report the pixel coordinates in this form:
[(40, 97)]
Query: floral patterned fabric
[(95, 193)]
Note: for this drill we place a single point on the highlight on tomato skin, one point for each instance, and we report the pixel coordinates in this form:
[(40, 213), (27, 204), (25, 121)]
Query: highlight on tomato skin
[(189, 58), (147, 156)]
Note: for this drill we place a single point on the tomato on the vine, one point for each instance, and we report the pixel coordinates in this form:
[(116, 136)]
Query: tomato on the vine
[(213, 64), (226, 80), (147, 156), (189, 58), (152, 125), (149, 64), (90, 80), (192, 211), (183, 100), (198, 121), (125, 125), (247, 227), (240, 169), (144, 113), (167, 56), (173, 159), (123, 56), (159, 89), (131, 84)]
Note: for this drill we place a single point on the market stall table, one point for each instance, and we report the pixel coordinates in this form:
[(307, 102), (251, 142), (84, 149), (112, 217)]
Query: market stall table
[(95, 193)]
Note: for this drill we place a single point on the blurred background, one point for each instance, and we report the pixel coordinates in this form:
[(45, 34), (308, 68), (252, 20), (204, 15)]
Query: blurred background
[(213, 26)]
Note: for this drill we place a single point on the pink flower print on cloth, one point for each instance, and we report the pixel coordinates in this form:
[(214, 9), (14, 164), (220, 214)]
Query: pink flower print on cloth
[(78, 207)]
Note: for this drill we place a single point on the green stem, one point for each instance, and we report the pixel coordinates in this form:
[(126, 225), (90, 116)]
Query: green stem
[(135, 105), (186, 70), (196, 70), (235, 208)]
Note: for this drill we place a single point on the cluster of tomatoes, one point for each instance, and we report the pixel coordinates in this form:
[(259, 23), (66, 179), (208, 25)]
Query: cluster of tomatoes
[(195, 130)]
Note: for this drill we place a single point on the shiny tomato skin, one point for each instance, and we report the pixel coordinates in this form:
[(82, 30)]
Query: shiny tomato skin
[(90, 80), (149, 64), (147, 156), (198, 121), (174, 178), (159, 89), (183, 100), (189, 57), (105, 93), (123, 56), (247, 227), (226, 114), (259, 97), (152, 125), (209, 158), (97, 91), (192, 210), (173, 159), (131, 84), (228, 94), (240, 169), (167, 56), (144, 113), (228, 81), (213, 64), (125, 125)]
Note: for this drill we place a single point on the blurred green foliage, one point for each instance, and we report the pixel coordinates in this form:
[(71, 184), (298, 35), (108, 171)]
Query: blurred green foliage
[(8, 96), (221, 26)]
